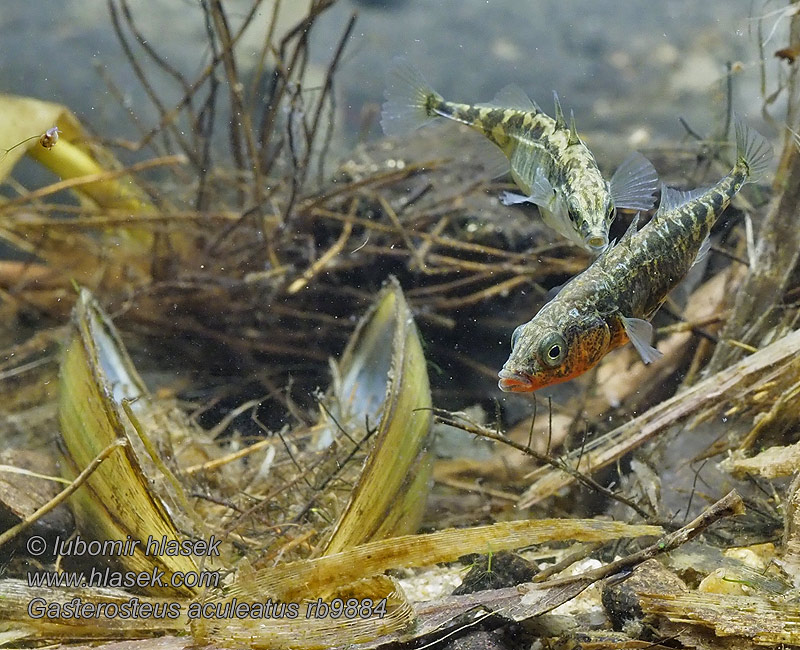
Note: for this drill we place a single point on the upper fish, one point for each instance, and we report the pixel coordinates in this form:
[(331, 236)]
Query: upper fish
[(612, 301), (549, 162)]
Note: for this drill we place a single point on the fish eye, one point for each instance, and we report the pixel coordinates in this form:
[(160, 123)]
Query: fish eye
[(553, 349), (515, 336)]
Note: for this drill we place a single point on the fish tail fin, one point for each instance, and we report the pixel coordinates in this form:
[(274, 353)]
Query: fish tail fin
[(408, 99), (752, 150)]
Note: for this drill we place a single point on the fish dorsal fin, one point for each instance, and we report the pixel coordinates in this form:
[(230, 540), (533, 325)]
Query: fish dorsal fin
[(554, 292), (561, 123), (574, 138), (640, 333), (672, 199), (512, 96), (634, 184), (633, 228)]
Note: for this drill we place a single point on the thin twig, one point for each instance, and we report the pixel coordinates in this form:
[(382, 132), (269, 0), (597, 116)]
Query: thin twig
[(729, 505), (326, 89), (453, 419), (12, 532), (92, 178)]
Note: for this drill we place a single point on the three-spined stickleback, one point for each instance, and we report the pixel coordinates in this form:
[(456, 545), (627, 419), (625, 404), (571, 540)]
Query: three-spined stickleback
[(611, 302), (549, 162)]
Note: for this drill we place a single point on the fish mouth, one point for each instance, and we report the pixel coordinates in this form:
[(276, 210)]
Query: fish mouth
[(597, 243), (514, 382)]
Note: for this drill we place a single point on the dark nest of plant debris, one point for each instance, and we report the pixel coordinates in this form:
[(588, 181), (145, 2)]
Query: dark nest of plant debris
[(320, 345)]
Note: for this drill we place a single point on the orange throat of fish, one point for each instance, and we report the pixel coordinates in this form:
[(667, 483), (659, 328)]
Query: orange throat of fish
[(585, 356), (519, 382)]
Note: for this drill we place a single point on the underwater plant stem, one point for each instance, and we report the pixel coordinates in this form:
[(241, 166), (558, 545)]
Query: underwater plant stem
[(143, 80), (83, 172), (327, 89), (322, 262), (12, 532)]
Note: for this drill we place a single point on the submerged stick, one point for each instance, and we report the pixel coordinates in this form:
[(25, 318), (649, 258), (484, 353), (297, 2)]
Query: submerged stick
[(776, 256), (441, 618), (767, 364)]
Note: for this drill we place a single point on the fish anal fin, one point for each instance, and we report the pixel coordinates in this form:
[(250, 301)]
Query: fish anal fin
[(680, 294), (634, 184), (490, 159), (702, 252), (640, 333)]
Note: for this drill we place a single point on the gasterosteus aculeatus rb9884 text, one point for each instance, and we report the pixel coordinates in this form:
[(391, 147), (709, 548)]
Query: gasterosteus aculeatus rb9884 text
[(612, 301), (549, 162)]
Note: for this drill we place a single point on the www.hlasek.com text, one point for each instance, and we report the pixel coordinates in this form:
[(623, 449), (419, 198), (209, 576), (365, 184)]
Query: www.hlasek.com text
[(107, 577)]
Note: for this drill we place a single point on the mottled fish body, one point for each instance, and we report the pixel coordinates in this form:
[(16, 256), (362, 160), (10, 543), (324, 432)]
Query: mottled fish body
[(549, 162), (612, 301)]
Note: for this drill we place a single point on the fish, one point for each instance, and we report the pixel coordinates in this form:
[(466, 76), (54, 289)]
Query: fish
[(613, 300), (549, 162)]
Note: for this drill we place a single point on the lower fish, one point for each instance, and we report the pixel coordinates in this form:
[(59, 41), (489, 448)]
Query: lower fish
[(549, 162), (613, 300)]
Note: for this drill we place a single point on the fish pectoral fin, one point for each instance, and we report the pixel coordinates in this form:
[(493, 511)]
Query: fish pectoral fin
[(634, 184), (510, 198), (640, 333), (542, 193)]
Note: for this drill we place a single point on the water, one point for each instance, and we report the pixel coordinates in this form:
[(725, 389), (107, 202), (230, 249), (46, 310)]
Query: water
[(628, 67)]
